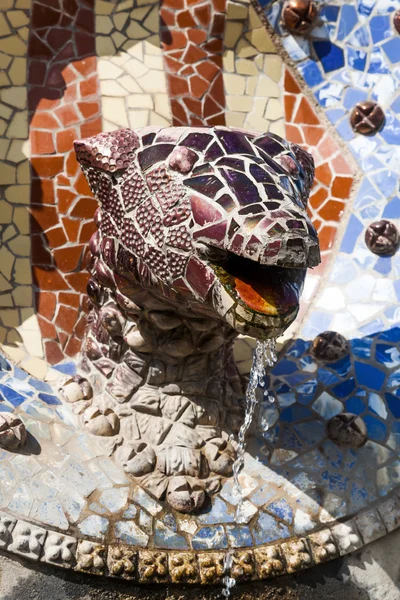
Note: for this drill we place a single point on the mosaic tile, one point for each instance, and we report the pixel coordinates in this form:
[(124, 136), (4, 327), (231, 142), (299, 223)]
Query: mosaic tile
[(359, 298), (251, 72), (133, 84), (56, 179), (337, 87)]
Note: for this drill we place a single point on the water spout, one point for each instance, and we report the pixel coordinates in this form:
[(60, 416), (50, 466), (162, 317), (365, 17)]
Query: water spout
[(264, 356)]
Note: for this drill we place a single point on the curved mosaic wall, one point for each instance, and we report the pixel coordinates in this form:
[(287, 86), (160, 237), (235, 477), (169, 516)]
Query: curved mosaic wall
[(86, 66)]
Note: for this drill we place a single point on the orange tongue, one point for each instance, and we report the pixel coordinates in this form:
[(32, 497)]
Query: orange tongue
[(253, 298)]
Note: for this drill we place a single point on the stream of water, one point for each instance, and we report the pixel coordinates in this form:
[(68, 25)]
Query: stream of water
[(264, 356)]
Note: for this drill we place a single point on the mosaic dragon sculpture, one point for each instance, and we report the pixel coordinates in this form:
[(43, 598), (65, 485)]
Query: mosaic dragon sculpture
[(202, 234)]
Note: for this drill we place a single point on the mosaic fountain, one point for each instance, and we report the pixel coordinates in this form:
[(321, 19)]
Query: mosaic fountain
[(150, 456), (202, 234)]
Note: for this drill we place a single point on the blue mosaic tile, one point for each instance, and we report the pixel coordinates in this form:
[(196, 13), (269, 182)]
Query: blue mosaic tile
[(377, 405), (129, 533), (377, 430), (377, 63), (392, 209), (94, 526), (329, 13), (66, 368), (37, 384), (49, 399), (369, 376), (168, 539), (392, 50), (345, 388), (360, 37), (267, 529), (170, 521), (295, 413), (114, 499), (355, 405), (381, 28), (348, 20), (330, 55), (357, 59), (239, 536), (352, 96), (311, 73), (210, 538), (20, 374), (387, 355), (218, 513), (393, 403), (282, 510), (12, 396)]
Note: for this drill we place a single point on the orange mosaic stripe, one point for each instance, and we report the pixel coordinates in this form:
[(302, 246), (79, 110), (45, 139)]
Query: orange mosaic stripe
[(333, 175), (192, 41), (64, 104)]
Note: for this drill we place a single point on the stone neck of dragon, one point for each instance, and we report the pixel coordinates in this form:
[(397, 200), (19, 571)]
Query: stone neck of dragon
[(202, 233)]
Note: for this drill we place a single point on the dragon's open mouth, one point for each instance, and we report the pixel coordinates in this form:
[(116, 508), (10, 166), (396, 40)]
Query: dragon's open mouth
[(268, 290)]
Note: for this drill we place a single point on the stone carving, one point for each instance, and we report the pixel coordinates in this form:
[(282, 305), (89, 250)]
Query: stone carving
[(297, 555), (7, 525), (90, 557), (59, 550), (183, 567), (243, 565), (322, 546), (101, 422), (202, 233), (122, 562), (211, 566), (153, 567), (27, 540), (12, 431), (269, 561), (347, 537)]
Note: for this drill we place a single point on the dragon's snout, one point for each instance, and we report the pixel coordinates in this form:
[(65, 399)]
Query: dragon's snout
[(215, 216)]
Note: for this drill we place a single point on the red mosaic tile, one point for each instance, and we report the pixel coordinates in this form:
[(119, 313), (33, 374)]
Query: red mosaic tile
[(84, 208), (47, 329), (66, 318), (64, 104), (80, 327), (334, 174), (55, 237), (42, 140), (192, 25), (73, 346), (53, 352), (78, 281), (341, 187), (64, 139), (46, 304), (46, 166), (71, 228), (49, 279), (42, 191), (69, 299), (43, 218), (67, 259)]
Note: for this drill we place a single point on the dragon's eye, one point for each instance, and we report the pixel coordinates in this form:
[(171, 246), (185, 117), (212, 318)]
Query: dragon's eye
[(213, 254)]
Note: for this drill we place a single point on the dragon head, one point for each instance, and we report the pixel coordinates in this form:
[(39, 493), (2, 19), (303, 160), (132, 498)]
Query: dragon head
[(213, 219)]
